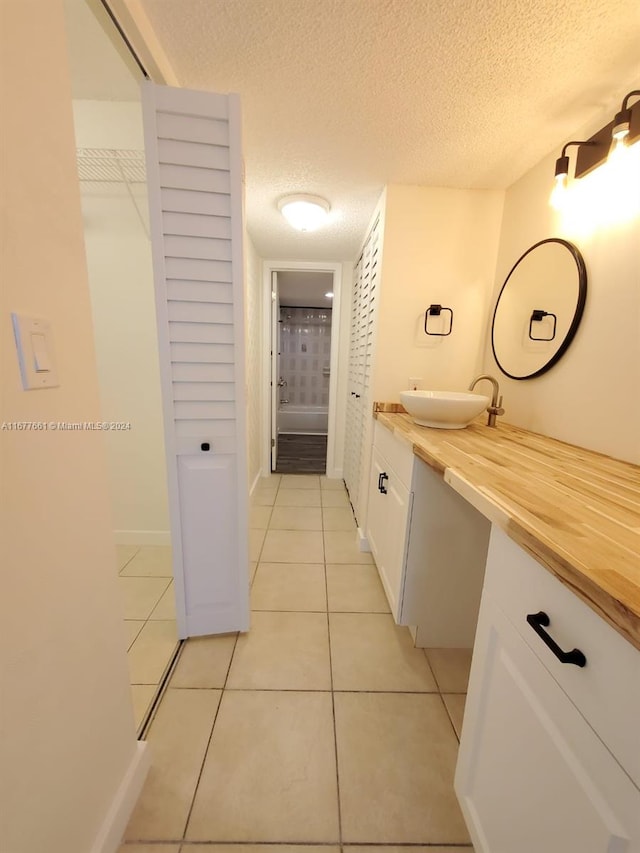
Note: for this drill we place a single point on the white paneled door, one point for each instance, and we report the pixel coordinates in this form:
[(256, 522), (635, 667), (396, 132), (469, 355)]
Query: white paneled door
[(194, 175)]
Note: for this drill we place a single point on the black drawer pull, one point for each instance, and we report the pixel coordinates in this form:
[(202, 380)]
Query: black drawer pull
[(381, 478), (540, 621)]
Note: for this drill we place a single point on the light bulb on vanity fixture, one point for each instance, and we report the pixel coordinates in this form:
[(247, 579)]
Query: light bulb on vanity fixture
[(607, 144), (561, 180), (621, 131), (304, 212)]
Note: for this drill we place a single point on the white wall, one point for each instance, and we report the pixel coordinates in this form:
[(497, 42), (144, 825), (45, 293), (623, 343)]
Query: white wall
[(67, 722), (439, 246), (343, 330), (590, 398), (254, 350), (122, 295)]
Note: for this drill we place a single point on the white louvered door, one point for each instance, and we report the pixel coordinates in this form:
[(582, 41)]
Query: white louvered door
[(361, 343), (194, 174)]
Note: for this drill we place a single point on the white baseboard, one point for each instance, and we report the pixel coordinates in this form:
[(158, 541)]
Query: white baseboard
[(115, 823), (142, 537), (363, 542), (252, 487), (335, 474)]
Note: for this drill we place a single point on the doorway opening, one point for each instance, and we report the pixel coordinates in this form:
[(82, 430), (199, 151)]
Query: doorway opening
[(301, 349)]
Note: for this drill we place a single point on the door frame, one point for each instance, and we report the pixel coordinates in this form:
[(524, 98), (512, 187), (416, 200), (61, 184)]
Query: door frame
[(269, 267), (274, 307)]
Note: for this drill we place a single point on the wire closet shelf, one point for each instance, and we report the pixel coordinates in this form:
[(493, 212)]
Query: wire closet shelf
[(111, 165), (114, 166)]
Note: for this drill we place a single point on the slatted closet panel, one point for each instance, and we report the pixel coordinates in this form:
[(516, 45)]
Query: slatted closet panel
[(361, 344), (367, 336), (194, 173)]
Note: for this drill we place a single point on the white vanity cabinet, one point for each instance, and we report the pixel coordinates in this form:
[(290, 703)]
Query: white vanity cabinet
[(429, 545), (549, 750), (389, 516)]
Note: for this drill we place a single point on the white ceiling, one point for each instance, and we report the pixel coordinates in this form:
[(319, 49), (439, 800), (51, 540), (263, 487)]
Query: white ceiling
[(341, 97), (305, 289)]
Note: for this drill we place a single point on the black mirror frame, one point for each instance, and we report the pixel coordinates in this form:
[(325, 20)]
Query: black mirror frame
[(573, 328)]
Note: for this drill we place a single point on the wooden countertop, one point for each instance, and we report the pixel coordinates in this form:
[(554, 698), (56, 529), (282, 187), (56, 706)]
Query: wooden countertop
[(577, 512)]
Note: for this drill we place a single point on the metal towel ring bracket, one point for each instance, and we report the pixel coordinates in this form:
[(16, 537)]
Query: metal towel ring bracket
[(436, 311)]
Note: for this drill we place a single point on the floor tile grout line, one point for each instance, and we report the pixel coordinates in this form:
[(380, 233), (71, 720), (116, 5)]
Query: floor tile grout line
[(160, 577), (208, 746), (166, 589), (135, 554), (448, 713), (333, 699), (324, 610), (346, 845), (322, 690)]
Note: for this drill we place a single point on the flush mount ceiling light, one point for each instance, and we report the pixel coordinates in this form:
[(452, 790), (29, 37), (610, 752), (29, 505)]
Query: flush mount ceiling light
[(304, 212)]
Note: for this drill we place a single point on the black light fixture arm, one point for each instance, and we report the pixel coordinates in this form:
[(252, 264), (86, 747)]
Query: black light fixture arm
[(562, 163), (622, 119), (625, 101)]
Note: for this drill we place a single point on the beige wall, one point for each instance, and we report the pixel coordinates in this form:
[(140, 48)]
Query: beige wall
[(590, 398), (254, 350), (440, 247), (67, 722), (123, 302)]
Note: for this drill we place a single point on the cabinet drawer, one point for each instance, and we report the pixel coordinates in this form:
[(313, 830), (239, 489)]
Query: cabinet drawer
[(398, 453), (607, 690)]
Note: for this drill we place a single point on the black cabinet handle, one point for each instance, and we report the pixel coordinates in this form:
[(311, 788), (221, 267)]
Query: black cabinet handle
[(381, 478), (540, 621), (357, 396)]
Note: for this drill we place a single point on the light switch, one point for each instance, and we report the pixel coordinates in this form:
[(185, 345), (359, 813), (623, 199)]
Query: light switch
[(36, 355), (41, 360)]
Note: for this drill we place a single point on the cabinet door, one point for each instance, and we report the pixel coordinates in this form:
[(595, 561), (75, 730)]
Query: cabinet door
[(532, 775), (387, 523)]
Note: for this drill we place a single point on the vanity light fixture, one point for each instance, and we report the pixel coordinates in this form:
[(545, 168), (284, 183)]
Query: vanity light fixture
[(304, 212), (593, 152)]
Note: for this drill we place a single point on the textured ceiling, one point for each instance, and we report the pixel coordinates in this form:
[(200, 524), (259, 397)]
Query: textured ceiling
[(305, 289), (341, 97)]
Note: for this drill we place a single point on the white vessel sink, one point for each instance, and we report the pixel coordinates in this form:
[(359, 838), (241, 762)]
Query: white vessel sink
[(443, 409)]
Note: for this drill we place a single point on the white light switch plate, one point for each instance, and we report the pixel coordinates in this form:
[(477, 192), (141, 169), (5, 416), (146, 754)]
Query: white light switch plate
[(34, 343)]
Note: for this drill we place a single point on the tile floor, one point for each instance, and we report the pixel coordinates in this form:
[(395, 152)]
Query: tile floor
[(150, 619), (321, 726)]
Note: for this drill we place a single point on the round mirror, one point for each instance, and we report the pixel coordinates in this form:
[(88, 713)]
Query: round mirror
[(539, 309)]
